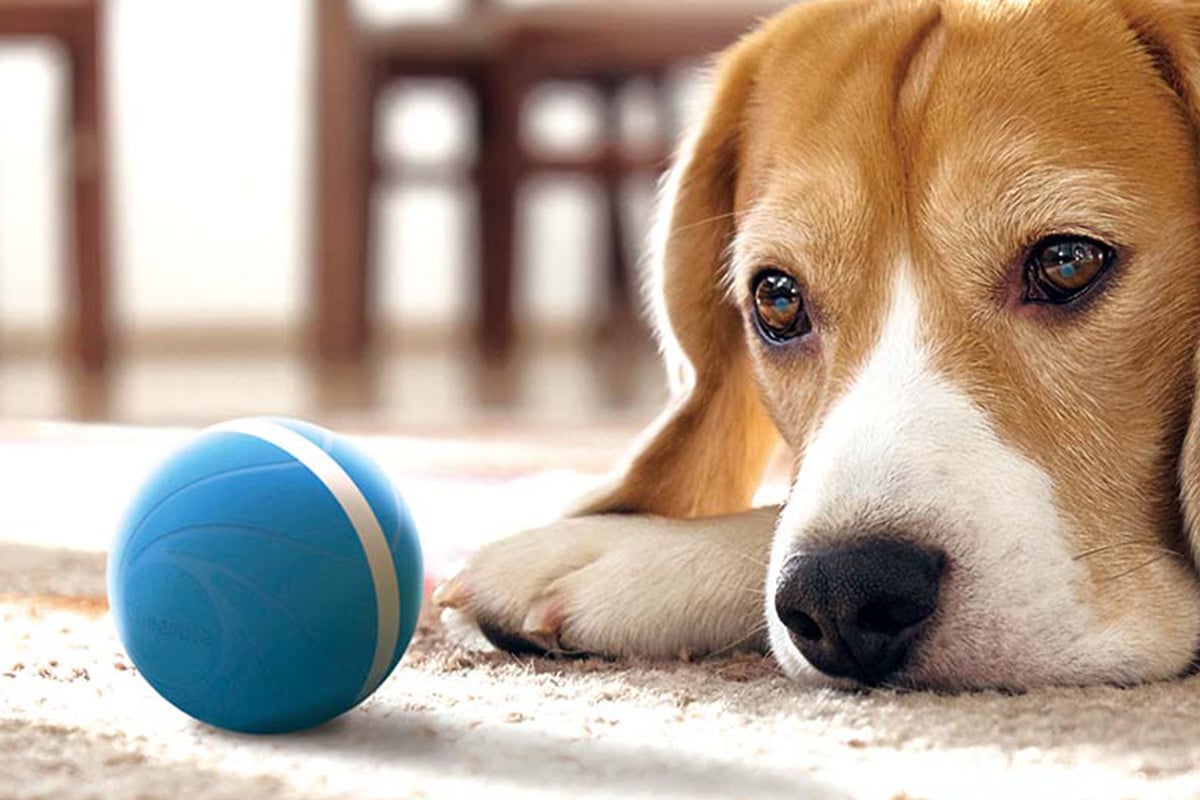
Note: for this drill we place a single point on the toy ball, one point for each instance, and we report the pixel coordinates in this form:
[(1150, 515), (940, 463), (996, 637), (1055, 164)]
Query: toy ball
[(267, 577)]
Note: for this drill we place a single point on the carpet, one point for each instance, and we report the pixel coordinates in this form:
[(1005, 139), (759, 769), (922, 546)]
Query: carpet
[(459, 720)]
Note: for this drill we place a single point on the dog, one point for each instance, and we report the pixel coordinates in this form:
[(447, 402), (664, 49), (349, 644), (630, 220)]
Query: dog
[(948, 253)]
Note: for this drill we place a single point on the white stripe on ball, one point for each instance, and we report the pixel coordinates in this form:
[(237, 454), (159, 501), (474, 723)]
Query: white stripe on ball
[(362, 518)]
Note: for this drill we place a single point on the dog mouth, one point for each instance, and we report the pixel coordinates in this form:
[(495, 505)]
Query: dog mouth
[(971, 643)]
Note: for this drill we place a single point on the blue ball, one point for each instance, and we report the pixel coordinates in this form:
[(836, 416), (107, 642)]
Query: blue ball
[(267, 577)]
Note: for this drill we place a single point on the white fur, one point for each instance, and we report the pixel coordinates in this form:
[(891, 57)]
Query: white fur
[(681, 375), (905, 450)]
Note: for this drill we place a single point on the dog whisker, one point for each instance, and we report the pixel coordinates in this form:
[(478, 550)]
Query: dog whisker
[(1155, 546), (758, 562), (1131, 570), (757, 630), (706, 221)]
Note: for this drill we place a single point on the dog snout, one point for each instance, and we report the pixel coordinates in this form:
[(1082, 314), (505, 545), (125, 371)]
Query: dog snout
[(855, 610)]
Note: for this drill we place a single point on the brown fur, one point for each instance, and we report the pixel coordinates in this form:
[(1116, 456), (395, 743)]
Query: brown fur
[(847, 139)]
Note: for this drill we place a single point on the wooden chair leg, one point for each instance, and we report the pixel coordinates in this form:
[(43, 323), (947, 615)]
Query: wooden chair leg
[(500, 169), (345, 147), (367, 166), (89, 337)]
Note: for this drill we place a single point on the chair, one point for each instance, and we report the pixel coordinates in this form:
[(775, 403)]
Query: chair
[(500, 55), (77, 25)]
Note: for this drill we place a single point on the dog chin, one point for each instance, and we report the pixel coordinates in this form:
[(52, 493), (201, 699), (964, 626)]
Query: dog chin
[(956, 658)]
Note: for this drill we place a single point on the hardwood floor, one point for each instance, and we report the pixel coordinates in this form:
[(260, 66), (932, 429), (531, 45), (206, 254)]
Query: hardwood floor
[(425, 389)]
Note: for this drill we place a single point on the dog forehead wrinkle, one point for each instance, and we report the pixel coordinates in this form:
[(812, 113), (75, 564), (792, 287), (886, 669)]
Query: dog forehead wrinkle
[(914, 73), (1018, 178)]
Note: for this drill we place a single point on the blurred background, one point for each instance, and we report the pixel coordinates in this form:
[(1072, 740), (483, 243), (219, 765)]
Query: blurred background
[(401, 215)]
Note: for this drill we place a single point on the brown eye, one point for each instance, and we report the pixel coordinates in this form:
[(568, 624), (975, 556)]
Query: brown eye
[(779, 307), (1061, 268)]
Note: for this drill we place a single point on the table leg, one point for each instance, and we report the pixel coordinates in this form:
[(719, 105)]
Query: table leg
[(89, 338), (500, 95), (344, 184)]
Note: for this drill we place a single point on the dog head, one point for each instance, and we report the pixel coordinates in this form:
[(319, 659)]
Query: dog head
[(949, 252)]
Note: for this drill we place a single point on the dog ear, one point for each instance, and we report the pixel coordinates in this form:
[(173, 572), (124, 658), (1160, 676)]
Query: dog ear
[(1169, 32), (706, 453)]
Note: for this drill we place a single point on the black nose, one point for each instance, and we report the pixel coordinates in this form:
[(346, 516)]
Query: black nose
[(854, 610)]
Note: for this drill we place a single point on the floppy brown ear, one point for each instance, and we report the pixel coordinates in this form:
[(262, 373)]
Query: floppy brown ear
[(1170, 32), (706, 453)]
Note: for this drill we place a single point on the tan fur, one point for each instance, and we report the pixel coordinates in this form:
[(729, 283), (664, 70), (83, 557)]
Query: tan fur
[(844, 141)]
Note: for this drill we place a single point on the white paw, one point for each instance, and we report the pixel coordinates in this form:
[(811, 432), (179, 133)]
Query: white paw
[(614, 585)]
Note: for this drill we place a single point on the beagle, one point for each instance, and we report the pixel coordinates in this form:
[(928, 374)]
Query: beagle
[(948, 252)]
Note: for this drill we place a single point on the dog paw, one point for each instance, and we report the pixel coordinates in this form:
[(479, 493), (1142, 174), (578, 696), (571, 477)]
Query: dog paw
[(613, 585)]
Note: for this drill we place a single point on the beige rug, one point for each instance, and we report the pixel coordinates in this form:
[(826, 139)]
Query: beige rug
[(76, 721)]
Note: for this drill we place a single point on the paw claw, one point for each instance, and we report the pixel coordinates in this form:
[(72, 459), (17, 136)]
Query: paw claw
[(544, 618), (452, 593)]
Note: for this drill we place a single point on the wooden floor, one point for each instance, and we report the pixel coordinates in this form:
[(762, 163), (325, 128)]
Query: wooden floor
[(427, 389)]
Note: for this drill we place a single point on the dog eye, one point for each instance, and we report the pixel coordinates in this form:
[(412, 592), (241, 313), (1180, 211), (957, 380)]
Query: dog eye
[(1061, 268), (779, 307)]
